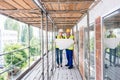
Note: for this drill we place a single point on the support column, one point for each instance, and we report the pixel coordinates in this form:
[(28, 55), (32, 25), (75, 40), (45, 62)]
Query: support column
[(55, 34), (42, 45), (88, 51), (29, 45), (46, 43), (77, 43), (40, 41), (98, 49), (52, 51)]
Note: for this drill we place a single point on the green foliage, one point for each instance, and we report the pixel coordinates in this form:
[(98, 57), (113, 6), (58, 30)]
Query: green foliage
[(34, 46), (92, 44), (15, 57), (1, 78)]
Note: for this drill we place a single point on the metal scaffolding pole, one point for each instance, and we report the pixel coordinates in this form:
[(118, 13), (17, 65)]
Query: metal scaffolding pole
[(55, 34), (88, 44), (42, 45), (40, 41), (46, 43), (54, 47), (29, 44), (52, 51), (77, 43), (40, 5)]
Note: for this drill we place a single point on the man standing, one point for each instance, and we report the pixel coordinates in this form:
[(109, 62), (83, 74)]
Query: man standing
[(69, 51), (58, 51), (112, 51)]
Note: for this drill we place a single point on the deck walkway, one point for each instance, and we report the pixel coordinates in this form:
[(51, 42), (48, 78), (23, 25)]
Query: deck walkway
[(61, 73), (112, 72)]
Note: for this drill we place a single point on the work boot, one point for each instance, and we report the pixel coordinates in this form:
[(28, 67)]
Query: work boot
[(66, 65), (70, 67), (61, 65)]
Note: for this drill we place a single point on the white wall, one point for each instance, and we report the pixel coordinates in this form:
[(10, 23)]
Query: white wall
[(101, 9)]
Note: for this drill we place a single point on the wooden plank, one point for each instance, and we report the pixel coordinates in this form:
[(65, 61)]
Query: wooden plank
[(15, 15), (48, 6), (63, 73), (2, 7), (83, 5), (31, 4), (23, 4), (62, 6), (28, 14), (70, 6), (66, 11), (69, 18), (6, 5), (77, 14), (67, 15), (35, 73), (55, 6), (66, 1), (17, 6), (31, 72)]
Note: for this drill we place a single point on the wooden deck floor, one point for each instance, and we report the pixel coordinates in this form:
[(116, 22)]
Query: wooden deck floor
[(63, 73), (112, 72), (36, 72), (66, 74)]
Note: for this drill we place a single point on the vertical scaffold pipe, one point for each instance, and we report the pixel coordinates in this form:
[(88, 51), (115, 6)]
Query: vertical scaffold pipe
[(42, 45), (46, 43), (77, 43), (29, 45), (52, 50), (88, 44), (55, 34)]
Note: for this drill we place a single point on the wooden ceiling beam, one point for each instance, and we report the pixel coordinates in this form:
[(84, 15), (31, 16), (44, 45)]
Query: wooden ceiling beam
[(66, 17), (32, 19), (66, 24), (29, 17), (65, 1), (67, 11), (65, 20), (20, 11)]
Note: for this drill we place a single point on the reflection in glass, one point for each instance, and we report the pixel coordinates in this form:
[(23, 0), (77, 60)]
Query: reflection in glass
[(112, 46)]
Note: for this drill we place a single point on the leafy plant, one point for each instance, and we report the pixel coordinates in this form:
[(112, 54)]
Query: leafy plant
[(34, 46), (15, 57), (1, 78)]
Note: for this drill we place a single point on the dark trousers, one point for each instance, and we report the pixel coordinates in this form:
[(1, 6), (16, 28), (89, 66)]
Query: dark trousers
[(112, 52), (59, 56), (69, 55)]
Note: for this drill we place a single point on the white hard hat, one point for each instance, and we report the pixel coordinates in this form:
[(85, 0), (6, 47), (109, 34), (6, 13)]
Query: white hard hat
[(60, 30), (111, 30)]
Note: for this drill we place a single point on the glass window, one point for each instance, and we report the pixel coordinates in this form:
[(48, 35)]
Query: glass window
[(89, 70), (111, 33), (92, 54), (34, 43), (86, 54), (16, 54)]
